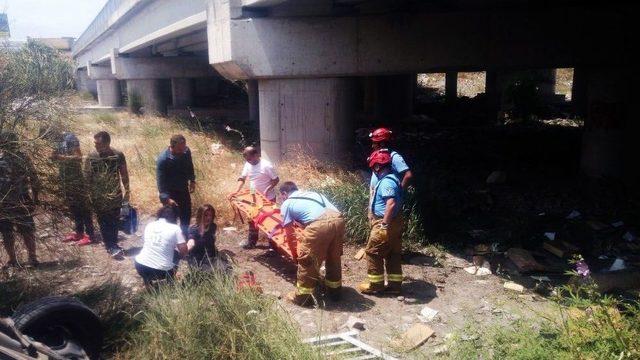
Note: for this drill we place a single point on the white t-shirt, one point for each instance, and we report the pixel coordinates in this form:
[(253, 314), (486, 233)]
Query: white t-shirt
[(160, 240), (261, 175)]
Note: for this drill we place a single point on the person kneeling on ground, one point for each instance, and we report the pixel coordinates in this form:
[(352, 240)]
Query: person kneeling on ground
[(384, 248), (161, 238), (321, 241), (202, 241)]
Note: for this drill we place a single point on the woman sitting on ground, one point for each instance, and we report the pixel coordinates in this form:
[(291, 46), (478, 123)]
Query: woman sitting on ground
[(202, 238), (161, 238)]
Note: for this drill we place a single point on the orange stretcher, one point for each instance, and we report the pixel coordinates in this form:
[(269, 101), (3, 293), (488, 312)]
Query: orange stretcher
[(267, 218)]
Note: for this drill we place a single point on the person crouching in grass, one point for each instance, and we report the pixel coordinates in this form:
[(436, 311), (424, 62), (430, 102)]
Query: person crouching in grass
[(161, 238)]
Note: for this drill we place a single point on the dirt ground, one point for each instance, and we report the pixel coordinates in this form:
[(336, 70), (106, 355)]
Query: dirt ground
[(462, 300)]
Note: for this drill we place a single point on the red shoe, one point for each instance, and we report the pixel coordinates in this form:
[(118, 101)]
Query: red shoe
[(84, 241), (72, 237)]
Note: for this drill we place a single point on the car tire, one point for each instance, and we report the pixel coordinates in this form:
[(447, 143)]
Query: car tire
[(65, 325)]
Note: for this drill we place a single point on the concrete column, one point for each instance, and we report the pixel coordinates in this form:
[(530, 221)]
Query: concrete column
[(547, 84), (311, 116), (451, 86), (493, 95), (182, 92), (84, 83), (579, 92), (109, 93), (254, 101), (603, 142), (149, 93)]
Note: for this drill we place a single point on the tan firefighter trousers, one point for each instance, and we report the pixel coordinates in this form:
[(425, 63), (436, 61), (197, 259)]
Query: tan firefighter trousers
[(384, 250), (321, 241)]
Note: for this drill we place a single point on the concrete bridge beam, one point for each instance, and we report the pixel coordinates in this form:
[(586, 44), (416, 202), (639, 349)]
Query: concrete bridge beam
[(161, 67), (312, 116)]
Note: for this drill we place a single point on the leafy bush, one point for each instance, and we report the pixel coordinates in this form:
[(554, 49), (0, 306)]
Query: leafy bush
[(206, 317)]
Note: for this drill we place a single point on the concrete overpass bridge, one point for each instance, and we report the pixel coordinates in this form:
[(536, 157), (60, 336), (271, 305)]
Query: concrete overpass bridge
[(311, 65)]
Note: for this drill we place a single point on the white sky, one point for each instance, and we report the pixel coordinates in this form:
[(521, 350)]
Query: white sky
[(49, 18)]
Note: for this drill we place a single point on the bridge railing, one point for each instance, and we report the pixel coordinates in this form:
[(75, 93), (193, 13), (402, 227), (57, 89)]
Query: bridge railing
[(100, 24)]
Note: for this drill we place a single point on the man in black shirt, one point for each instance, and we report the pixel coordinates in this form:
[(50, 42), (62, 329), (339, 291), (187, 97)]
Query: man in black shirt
[(176, 178)]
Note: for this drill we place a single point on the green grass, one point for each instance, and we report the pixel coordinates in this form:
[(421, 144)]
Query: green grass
[(206, 317)]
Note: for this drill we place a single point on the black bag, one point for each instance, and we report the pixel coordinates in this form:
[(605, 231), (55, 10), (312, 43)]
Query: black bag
[(128, 219)]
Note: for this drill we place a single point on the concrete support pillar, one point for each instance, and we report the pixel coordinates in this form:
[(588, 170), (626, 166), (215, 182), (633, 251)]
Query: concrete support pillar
[(493, 95), (603, 143), (149, 93), (579, 92), (109, 93), (312, 116), (182, 92), (451, 86), (254, 101), (86, 84), (547, 82)]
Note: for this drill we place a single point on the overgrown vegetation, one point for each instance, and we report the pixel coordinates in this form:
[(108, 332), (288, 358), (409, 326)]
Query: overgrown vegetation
[(207, 317)]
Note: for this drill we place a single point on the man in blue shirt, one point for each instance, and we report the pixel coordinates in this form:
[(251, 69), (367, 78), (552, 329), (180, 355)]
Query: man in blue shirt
[(321, 241), (380, 139), (176, 178), (384, 248)]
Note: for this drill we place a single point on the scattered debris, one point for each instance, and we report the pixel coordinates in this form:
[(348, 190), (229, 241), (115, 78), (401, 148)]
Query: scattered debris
[(541, 278), (334, 345), (216, 149), (575, 214), (465, 337), (400, 298), (482, 249), (428, 313), (354, 323), (497, 177), (523, 260), (618, 265), (513, 286), (555, 248), (359, 255), (617, 224), (478, 270), (550, 235), (417, 335), (628, 236), (441, 350), (230, 229), (253, 312)]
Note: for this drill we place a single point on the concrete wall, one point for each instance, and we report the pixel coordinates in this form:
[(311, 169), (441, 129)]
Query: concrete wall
[(84, 83)]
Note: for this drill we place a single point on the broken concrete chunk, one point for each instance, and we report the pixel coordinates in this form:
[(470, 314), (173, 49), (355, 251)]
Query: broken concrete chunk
[(478, 270), (513, 286), (359, 255), (523, 260), (497, 177), (417, 335), (355, 323), (550, 235), (541, 278), (617, 265), (574, 215), (482, 249), (428, 313), (554, 248), (617, 224)]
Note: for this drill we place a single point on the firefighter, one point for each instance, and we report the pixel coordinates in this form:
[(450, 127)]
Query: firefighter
[(321, 240), (380, 139), (384, 248)]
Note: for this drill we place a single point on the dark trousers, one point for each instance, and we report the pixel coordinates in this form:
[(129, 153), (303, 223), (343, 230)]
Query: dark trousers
[(82, 218), (109, 222), (150, 274), (183, 199)]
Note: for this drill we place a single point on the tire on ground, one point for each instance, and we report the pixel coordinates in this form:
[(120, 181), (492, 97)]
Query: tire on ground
[(79, 320)]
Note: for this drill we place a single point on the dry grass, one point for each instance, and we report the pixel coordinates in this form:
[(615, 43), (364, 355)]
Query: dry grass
[(470, 84), (564, 82), (215, 173)]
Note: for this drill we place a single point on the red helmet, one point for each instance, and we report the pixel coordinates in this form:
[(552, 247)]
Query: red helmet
[(381, 157), (381, 134)]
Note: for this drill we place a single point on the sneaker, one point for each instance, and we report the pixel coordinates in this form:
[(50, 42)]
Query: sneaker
[(116, 253), (84, 241), (72, 237)]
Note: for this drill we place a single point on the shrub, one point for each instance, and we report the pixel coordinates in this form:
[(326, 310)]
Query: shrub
[(206, 317)]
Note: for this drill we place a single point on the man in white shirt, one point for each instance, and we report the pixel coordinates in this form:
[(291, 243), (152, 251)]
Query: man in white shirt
[(262, 177), (161, 238)]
